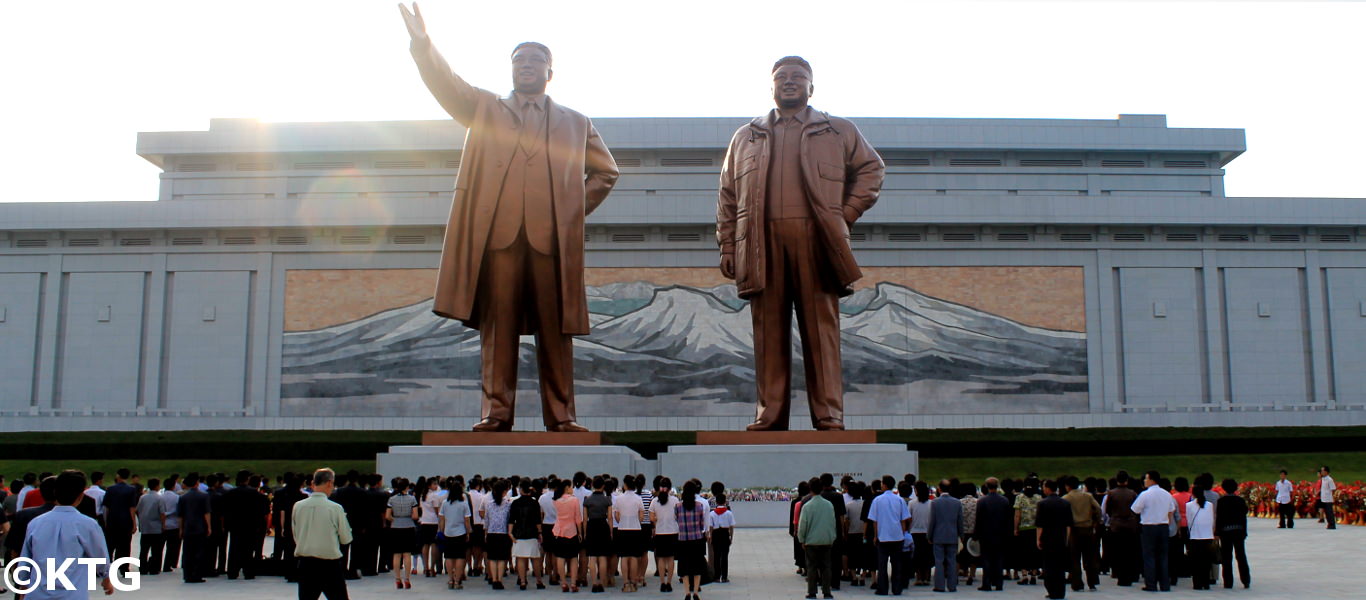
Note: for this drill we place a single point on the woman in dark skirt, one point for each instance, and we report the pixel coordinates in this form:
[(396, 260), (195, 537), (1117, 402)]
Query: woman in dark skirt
[(568, 528), (1026, 536), (455, 524), (498, 541), (402, 536), (665, 540), (598, 534), (691, 514)]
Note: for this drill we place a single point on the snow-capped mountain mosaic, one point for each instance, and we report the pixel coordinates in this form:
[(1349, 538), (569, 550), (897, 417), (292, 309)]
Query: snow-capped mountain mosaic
[(675, 350)]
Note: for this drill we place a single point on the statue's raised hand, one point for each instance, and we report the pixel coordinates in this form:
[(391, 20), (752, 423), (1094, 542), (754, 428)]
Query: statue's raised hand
[(417, 28)]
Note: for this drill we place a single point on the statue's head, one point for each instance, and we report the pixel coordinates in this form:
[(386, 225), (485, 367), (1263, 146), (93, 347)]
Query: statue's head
[(531, 67), (792, 86)]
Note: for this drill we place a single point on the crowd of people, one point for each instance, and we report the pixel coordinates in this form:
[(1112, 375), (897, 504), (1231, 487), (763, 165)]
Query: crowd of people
[(583, 531), (599, 531), (892, 534)]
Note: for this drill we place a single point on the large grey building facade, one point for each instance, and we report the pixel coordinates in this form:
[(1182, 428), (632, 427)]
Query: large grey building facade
[(1019, 273)]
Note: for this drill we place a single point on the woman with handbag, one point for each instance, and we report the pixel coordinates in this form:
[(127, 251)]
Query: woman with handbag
[(1200, 548)]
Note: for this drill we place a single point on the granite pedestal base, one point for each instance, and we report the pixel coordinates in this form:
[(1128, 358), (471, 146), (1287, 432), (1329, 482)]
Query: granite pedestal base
[(536, 461), (783, 465)]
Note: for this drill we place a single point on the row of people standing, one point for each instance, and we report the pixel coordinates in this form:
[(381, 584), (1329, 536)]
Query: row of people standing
[(583, 535), (1021, 529)]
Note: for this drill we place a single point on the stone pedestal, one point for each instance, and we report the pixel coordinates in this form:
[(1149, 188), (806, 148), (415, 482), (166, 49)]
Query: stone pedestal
[(564, 461), (783, 465), (510, 438)]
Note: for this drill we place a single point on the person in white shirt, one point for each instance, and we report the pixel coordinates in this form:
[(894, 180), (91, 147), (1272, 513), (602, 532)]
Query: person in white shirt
[(96, 493), (548, 515), (430, 517), (721, 522), (1154, 508), (1285, 503), (477, 536), (169, 500), (665, 520), (1326, 487), (1200, 520), (627, 513)]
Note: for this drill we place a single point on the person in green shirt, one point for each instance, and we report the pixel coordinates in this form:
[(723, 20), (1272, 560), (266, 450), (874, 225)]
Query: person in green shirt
[(816, 532), (320, 530)]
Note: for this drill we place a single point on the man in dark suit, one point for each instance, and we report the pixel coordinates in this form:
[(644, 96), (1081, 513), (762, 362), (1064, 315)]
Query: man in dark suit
[(195, 514), (120, 515), (1054, 525), (368, 543), (1121, 548), (995, 520), (245, 521), (945, 530), (218, 538), (283, 508), (353, 500), (512, 264)]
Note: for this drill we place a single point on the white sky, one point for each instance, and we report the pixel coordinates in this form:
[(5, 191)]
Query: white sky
[(81, 78)]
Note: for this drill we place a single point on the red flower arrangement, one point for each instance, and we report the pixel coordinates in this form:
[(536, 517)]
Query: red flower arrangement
[(1349, 500)]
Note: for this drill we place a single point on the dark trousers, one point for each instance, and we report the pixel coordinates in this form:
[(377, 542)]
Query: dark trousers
[(172, 538), (321, 577), (818, 569), (946, 567), (1155, 562), (1329, 514), (149, 552), (720, 553), (244, 549), (798, 554), (218, 551), (284, 552), (1230, 544), (793, 279), (889, 551), (1122, 550), (365, 551), (119, 538), (993, 562), (1177, 564), (1085, 556), (195, 559), (1287, 514), (1055, 559), (1201, 556)]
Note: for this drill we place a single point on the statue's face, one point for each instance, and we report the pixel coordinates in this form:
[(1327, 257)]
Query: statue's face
[(792, 86), (530, 70)]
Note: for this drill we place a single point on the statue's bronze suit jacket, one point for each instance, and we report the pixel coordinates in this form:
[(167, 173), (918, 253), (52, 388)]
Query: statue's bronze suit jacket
[(842, 174), (582, 173)]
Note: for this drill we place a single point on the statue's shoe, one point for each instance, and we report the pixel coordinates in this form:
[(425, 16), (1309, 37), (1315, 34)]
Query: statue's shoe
[(567, 427), (830, 425), (491, 424)]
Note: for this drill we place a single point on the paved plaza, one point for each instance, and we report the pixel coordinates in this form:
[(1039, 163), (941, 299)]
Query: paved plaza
[(1307, 562)]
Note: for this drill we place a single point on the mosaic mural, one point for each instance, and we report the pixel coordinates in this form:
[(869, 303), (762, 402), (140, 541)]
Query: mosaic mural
[(916, 340)]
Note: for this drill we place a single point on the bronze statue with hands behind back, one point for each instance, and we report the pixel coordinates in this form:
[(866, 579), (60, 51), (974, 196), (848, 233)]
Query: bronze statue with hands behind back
[(793, 183), (512, 259)]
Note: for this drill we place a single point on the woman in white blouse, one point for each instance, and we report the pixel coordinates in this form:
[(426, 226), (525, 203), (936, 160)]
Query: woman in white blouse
[(427, 526), (1200, 517)]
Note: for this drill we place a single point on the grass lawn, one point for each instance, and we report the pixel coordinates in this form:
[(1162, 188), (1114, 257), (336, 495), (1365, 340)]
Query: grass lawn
[(1347, 466)]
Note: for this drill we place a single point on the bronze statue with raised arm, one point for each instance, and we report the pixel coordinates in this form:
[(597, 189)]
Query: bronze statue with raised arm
[(793, 183), (512, 259)]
